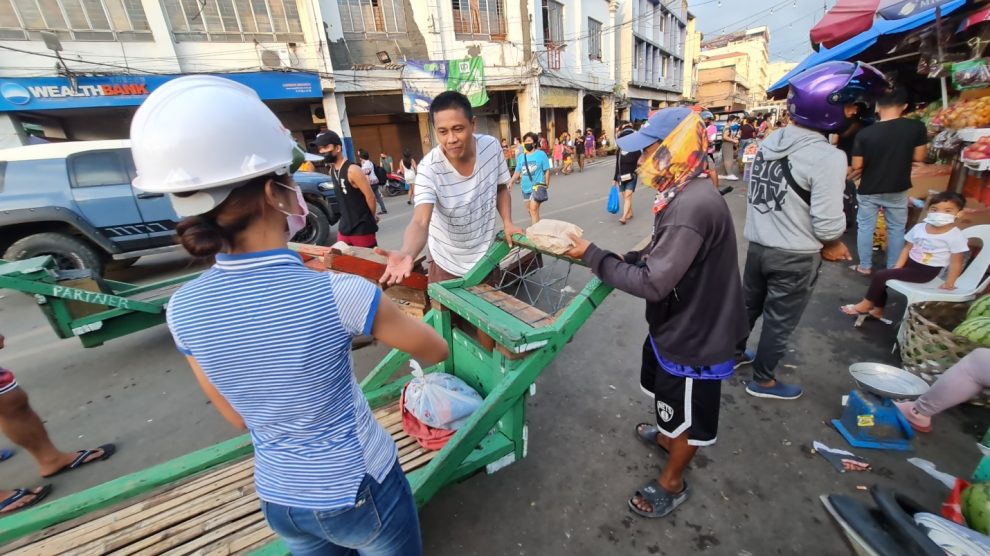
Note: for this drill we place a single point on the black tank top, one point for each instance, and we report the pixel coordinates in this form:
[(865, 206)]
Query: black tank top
[(355, 216)]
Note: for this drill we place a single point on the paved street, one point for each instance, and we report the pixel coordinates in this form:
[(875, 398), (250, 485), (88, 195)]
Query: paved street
[(754, 493)]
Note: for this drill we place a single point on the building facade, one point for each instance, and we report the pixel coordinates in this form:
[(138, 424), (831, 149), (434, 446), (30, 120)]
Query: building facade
[(753, 46), (652, 54), (79, 70), (692, 57)]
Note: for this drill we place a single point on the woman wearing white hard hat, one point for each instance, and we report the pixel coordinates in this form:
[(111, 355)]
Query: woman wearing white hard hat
[(268, 339)]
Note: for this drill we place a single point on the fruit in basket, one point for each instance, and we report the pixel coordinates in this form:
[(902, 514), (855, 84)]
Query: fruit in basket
[(976, 506), (979, 308), (976, 330)]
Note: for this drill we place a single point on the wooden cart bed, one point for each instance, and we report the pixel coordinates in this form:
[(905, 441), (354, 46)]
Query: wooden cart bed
[(212, 513)]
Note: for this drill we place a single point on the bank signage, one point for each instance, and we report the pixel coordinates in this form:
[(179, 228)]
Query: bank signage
[(57, 93)]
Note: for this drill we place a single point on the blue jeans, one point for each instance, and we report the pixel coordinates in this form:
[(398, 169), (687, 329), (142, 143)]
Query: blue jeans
[(382, 522), (895, 210)]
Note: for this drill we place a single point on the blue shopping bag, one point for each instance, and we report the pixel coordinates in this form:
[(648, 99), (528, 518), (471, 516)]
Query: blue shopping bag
[(613, 200)]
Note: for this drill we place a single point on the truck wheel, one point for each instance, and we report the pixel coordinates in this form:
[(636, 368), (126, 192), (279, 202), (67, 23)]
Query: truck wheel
[(70, 253), (317, 230)]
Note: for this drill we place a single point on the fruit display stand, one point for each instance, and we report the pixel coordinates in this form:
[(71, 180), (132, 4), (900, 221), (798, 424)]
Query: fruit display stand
[(530, 303)]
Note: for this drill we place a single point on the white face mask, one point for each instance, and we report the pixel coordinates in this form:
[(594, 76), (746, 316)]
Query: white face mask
[(939, 219), (296, 222)]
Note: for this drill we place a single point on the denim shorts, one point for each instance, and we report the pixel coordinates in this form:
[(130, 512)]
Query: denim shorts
[(382, 522)]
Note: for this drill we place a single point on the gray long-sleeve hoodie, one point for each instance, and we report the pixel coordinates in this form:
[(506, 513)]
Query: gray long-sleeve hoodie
[(776, 216)]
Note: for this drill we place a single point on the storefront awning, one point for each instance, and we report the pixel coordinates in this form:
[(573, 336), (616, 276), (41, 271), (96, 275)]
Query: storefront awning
[(850, 48), (57, 93)]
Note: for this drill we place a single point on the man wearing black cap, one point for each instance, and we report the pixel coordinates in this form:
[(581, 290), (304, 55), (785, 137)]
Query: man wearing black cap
[(358, 223), (689, 276)]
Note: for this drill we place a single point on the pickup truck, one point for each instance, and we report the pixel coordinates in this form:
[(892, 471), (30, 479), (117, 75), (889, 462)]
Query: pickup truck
[(74, 201)]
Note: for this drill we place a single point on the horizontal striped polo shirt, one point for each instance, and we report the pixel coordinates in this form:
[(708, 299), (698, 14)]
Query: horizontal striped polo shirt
[(274, 338), (465, 219)]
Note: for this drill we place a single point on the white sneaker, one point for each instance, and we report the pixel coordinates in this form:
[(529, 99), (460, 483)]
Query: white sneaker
[(731, 177)]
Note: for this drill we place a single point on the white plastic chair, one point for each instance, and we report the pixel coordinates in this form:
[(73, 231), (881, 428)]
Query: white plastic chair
[(970, 282)]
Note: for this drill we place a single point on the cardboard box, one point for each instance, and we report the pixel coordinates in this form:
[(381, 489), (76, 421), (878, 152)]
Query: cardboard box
[(929, 178)]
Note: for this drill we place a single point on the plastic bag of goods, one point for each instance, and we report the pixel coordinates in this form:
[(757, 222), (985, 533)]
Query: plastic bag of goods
[(439, 400), (553, 236)]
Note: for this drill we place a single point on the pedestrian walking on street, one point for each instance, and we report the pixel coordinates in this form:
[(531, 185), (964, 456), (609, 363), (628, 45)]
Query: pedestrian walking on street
[(23, 427), (625, 177), (461, 195), (882, 157), (407, 165), (568, 145), (579, 148), (589, 144), (374, 179), (558, 156), (358, 224), (532, 173), (794, 214), (326, 472), (689, 277), (385, 161), (729, 143)]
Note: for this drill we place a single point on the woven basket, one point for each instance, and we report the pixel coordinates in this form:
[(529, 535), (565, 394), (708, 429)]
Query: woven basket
[(930, 348)]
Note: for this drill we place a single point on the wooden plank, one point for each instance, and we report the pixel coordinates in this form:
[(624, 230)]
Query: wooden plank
[(268, 543), (249, 539), (394, 428), (145, 509), (231, 528), (129, 486), (420, 461), (390, 419), (189, 529), (514, 306), (191, 512), (371, 270)]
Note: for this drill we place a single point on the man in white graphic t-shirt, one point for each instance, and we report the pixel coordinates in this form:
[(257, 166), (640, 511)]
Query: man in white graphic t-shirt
[(461, 192)]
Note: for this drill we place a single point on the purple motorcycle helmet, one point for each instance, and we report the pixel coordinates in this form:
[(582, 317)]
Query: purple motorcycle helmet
[(818, 95)]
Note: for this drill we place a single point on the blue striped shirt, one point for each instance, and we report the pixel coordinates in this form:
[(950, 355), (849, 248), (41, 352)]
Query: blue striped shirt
[(274, 338)]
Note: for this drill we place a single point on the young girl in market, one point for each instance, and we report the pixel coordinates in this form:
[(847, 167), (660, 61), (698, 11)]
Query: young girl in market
[(269, 340), (930, 246), (558, 156)]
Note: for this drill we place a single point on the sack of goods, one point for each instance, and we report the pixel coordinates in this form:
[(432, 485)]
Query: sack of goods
[(553, 236), (435, 405)]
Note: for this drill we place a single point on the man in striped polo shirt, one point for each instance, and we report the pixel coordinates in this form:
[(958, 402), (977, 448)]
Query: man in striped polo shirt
[(461, 190)]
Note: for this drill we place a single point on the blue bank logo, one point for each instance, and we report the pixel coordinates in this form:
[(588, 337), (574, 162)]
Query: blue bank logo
[(14, 93)]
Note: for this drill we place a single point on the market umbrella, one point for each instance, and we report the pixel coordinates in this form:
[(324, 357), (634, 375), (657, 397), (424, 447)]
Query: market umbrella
[(850, 49), (849, 18)]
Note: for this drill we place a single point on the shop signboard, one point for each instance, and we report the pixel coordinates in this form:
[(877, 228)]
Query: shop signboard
[(423, 80), (58, 93)]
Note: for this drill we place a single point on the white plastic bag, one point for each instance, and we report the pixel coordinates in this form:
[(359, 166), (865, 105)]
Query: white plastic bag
[(440, 400)]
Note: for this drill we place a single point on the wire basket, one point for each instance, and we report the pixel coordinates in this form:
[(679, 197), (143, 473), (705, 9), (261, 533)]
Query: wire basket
[(930, 348)]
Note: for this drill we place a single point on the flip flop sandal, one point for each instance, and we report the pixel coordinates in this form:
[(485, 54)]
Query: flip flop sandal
[(856, 268), (648, 434), (661, 502), (81, 455), (21, 493), (861, 317)]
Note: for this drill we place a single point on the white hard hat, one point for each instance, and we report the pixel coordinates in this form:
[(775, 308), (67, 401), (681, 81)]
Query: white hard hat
[(201, 136)]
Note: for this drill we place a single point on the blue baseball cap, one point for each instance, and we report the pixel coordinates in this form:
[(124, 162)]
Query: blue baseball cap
[(657, 128)]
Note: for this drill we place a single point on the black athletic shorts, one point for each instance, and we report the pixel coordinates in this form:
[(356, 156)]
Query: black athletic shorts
[(681, 404)]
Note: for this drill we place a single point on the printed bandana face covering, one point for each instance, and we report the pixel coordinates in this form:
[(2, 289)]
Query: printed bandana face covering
[(679, 159)]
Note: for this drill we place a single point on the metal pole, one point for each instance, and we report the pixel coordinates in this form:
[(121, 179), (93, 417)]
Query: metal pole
[(938, 44)]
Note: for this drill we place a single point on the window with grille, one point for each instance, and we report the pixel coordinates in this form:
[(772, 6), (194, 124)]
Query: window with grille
[(479, 19), (370, 17), (234, 20), (594, 39), (81, 20), (553, 22)]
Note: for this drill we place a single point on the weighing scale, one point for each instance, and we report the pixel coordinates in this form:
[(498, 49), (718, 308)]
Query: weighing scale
[(870, 419)]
